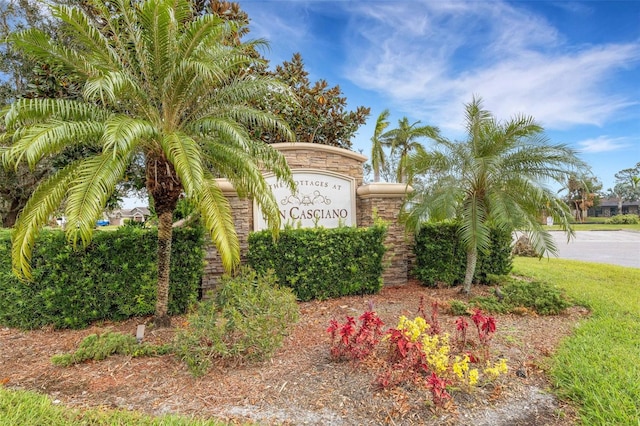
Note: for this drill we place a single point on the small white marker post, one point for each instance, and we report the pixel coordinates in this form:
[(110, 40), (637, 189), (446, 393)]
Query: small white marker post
[(140, 333)]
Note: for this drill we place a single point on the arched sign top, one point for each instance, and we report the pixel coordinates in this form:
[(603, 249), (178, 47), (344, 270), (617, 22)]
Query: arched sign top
[(297, 146), (321, 198)]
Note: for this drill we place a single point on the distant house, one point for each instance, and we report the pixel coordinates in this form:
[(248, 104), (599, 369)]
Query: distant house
[(120, 216), (609, 207)]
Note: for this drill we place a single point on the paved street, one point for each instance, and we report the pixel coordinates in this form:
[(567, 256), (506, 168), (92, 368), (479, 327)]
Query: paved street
[(614, 247)]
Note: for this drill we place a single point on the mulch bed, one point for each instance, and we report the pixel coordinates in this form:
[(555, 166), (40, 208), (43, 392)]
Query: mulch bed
[(300, 384)]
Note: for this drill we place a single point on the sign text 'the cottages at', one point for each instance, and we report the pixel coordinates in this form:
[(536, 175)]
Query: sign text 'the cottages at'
[(321, 199)]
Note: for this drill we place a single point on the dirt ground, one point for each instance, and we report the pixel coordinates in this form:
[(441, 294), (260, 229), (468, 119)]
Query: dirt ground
[(300, 385)]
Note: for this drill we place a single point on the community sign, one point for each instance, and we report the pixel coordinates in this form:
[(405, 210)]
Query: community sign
[(320, 199)]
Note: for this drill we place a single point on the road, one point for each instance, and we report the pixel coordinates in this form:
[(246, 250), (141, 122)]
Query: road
[(613, 247)]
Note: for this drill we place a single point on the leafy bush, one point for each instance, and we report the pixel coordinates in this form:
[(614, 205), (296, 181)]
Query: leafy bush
[(538, 296), (489, 304), (99, 347), (440, 256), (320, 263), (247, 319), (458, 307), (518, 297), (623, 219), (114, 278)]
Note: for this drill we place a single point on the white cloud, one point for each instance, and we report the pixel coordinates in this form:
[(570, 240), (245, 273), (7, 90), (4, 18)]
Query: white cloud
[(603, 144), (431, 58)]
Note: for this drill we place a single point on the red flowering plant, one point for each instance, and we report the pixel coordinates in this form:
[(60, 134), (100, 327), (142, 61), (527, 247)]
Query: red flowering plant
[(405, 359), (438, 388), (352, 342), (461, 332), (486, 326), (432, 320)]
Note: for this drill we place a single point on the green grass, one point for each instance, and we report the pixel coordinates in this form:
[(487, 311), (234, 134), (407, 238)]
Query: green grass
[(598, 367), (30, 408), (596, 227)]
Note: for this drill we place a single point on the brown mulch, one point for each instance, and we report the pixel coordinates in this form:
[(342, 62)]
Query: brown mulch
[(300, 384)]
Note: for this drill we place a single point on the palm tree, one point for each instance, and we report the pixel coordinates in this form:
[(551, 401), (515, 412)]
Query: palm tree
[(403, 141), (497, 177), (159, 82), (377, 153)]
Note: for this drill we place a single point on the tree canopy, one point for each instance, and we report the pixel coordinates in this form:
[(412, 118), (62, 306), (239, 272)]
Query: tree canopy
[(404, 140), (319, 114), (627, 186)]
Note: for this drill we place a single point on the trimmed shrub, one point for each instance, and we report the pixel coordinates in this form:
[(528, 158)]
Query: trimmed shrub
[(440, 256), (247, 319), (114, 278), (320, 263), (623, 219)]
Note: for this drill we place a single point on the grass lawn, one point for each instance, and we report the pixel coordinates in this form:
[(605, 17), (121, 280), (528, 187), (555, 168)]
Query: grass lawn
[(30, 408), (599, 366), (596, 227)]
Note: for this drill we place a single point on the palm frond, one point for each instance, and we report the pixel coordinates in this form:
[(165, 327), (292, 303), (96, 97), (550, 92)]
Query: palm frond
[(185, 155), (240, 168), (109, 88), (40, 140), (86, 35), (41, 205), (88, 194), (122, 133), (158, 28), (218, 221), (39, 46), (24, 112)]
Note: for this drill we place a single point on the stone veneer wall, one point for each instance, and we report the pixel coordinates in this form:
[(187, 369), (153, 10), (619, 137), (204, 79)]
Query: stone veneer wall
[(376, 200), (384, 201), (243, 221)]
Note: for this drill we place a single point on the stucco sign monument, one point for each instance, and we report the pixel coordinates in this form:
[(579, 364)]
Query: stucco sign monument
[(321, 199)]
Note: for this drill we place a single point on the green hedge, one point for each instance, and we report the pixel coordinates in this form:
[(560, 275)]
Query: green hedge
[(440, 256), (319, 263), (114, 278)]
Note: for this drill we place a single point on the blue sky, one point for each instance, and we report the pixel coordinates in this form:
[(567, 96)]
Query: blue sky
[(574, 66)]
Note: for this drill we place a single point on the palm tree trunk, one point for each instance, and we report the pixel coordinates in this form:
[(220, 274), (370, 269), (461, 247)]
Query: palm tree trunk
[(165, 188), (165, 232), (472, 260), (12, 215)]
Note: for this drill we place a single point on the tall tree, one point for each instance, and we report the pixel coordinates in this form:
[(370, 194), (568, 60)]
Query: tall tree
[(627, 187), (498, 177), (582, 194), (319, 115), (404, 140), (157, 84), (378, 158)]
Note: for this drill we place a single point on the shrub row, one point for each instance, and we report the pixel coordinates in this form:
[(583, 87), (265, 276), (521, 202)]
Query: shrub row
[(319, 263), (623, 219), (440, 256), (114, 278)]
